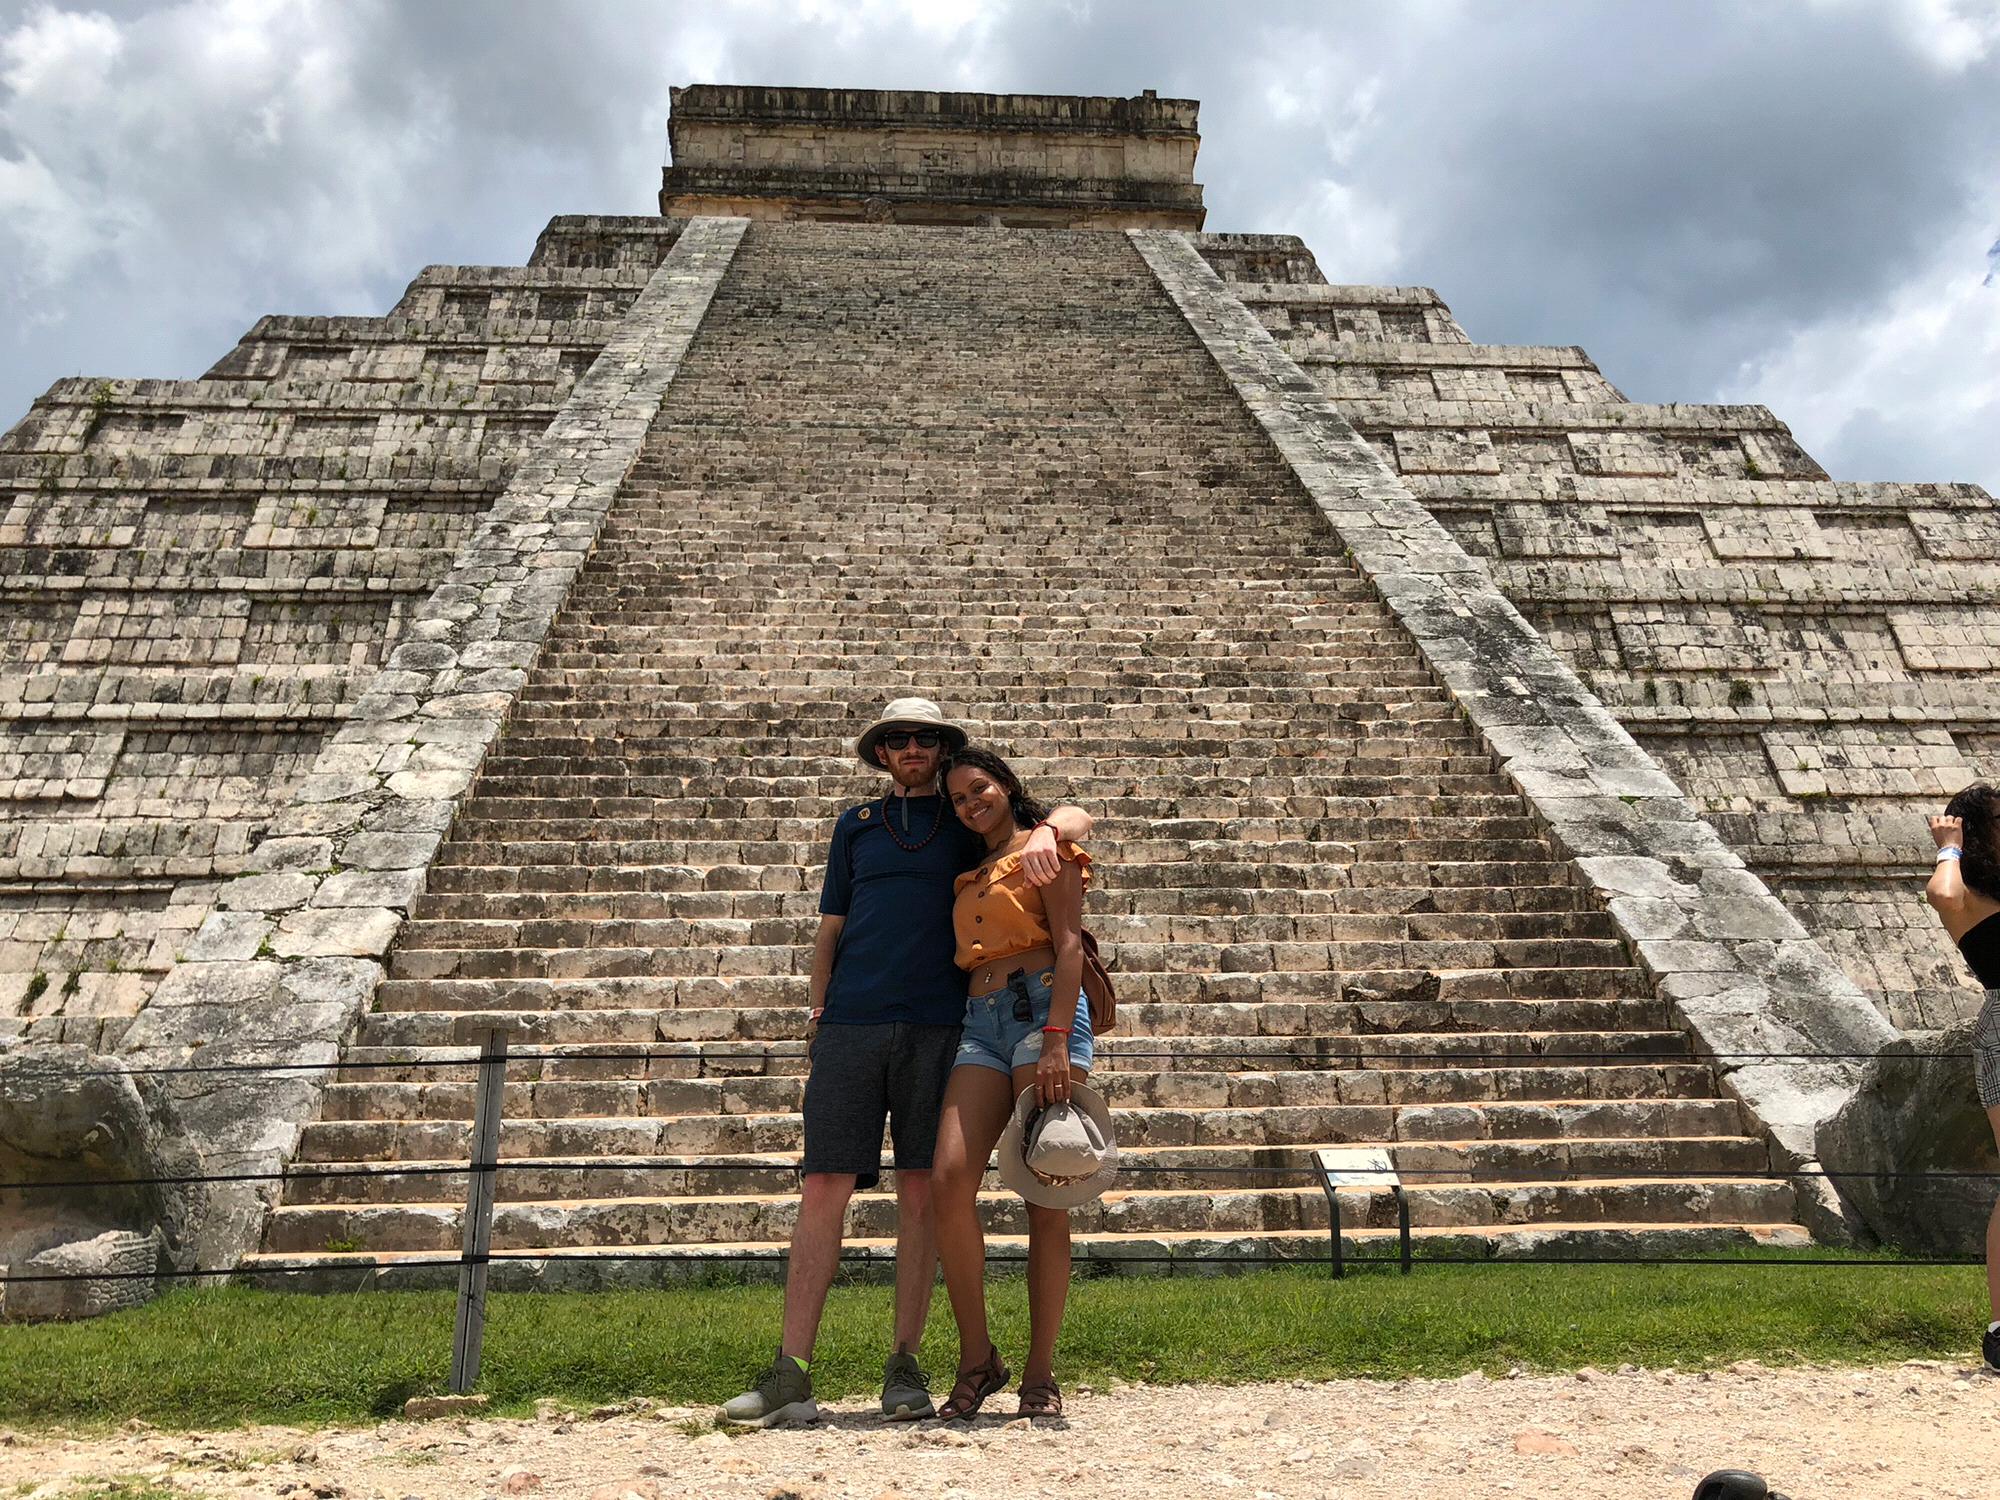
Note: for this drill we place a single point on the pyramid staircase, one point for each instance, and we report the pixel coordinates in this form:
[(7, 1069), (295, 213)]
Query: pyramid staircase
[(997, 468)]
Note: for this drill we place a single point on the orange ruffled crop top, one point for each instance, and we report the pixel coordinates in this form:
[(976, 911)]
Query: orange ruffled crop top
[(996, 913)]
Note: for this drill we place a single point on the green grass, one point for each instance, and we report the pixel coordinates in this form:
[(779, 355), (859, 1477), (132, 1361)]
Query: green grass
[(228, 1355)]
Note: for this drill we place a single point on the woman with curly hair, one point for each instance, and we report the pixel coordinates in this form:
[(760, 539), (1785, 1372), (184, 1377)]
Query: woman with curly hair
[(1964, 890), (1027, 1027)]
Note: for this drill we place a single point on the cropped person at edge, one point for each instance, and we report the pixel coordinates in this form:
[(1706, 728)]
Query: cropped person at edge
[(1964, 890)]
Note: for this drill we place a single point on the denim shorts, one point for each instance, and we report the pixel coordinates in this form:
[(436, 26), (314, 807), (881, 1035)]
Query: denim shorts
[(994, 1038)]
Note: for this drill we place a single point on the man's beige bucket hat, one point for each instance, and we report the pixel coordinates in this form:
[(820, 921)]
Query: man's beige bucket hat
[(907, 713), (1062, 1156)]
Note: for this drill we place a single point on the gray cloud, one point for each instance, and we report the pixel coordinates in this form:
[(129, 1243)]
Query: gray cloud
[(1719, 201)]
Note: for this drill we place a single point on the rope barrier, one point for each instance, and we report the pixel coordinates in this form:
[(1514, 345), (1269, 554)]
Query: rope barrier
[(1469, 1175), (1371, 1169)]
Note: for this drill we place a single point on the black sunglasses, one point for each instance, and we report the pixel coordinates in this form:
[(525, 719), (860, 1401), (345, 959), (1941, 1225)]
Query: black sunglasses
[(899, 739), (1017, 985)]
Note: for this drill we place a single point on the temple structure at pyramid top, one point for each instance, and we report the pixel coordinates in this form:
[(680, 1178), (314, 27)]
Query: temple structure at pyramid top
[(911, 157)]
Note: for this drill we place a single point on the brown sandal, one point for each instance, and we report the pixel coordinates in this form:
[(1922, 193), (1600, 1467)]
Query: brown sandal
[(973, 1386), (1043, 1399)]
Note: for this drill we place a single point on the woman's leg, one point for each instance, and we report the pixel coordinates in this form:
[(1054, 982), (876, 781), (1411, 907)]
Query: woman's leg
[(977, 1102), (1048, 1269)]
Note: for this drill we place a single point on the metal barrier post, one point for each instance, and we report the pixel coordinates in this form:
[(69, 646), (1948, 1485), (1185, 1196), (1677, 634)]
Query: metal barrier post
[(469, 1332), (1348, 1166), (1333, 1225), (1403, 1224)]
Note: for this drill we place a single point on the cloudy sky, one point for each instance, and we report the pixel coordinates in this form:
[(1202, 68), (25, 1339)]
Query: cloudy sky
[(1790, 203)]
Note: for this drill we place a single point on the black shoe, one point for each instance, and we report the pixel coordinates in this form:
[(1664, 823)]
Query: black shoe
[(1990, 1347)]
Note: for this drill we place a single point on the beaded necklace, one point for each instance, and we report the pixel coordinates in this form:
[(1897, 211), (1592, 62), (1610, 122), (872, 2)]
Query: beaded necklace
[(896, 839)]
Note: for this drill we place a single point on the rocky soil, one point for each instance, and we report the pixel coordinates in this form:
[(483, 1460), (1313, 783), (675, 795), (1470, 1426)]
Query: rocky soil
[(1918, 1430)]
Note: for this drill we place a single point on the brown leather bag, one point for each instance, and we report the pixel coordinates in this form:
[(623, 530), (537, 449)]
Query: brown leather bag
[(1097, 987)]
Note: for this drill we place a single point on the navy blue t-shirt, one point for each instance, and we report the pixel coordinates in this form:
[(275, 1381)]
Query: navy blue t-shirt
[(895, 958)]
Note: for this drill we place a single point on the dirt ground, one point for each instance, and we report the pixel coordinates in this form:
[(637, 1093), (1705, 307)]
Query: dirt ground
[(1921, 1429)]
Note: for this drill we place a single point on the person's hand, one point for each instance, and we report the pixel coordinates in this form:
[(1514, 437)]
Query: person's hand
[(1040, 861), (812, 1030), (1052, 1072), (1948, 833)]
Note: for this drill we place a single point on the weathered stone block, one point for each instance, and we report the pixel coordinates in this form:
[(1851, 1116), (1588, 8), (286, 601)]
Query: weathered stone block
[(116, 1270), (1913, 1147), (332, 932)]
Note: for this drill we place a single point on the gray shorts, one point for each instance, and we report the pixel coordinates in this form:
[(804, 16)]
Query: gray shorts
[(1986, 1050), (865, 1076)]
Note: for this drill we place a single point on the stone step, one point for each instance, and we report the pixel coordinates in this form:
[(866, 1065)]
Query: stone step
[(1128, 713), (1263, 1125), (580, 657), (1187, 1168), (1302, 794), (638, 1220), (1301, 773), (1201, 999), (584, 1269), (1123, 1087), (1107, 907), (423, 1018), (1321, 611), (1131, 932), (1364, 680), (1150, 968), (1120, 691), (1119, 829), (654, 645), (755, 528), (1376, 731), (1127, 838), (810, 816), (1171, 880), (1244, 1064), (743, 858)]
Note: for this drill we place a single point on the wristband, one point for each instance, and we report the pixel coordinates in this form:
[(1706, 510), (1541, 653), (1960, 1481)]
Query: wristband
[(1058, 1030), (1950, 851)]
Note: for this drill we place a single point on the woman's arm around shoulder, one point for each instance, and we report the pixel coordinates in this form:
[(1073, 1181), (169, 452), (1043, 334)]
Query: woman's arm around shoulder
[(1062, 900), (1042, 859)]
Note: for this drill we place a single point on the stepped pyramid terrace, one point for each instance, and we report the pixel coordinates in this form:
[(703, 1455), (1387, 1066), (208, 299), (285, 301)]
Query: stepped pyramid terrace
[(1488, 769)]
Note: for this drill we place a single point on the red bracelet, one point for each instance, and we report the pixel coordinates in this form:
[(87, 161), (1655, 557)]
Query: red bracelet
[(1058, 1030)]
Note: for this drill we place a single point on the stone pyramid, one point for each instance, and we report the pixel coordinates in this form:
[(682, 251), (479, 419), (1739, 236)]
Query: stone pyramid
[(1489, 769)]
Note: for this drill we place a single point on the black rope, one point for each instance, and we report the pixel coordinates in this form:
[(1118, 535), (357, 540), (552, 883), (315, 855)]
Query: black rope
[(293, 1174), (1306, 1172)]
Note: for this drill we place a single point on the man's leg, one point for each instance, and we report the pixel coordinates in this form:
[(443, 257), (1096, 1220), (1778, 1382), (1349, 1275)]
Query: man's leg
[(814, 1258), (916, 1258), (842, 1115), (924, 1058)]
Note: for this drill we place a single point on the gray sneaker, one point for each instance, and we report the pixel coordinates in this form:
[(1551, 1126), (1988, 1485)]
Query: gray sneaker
[(783, 1396), (906, 1389)]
